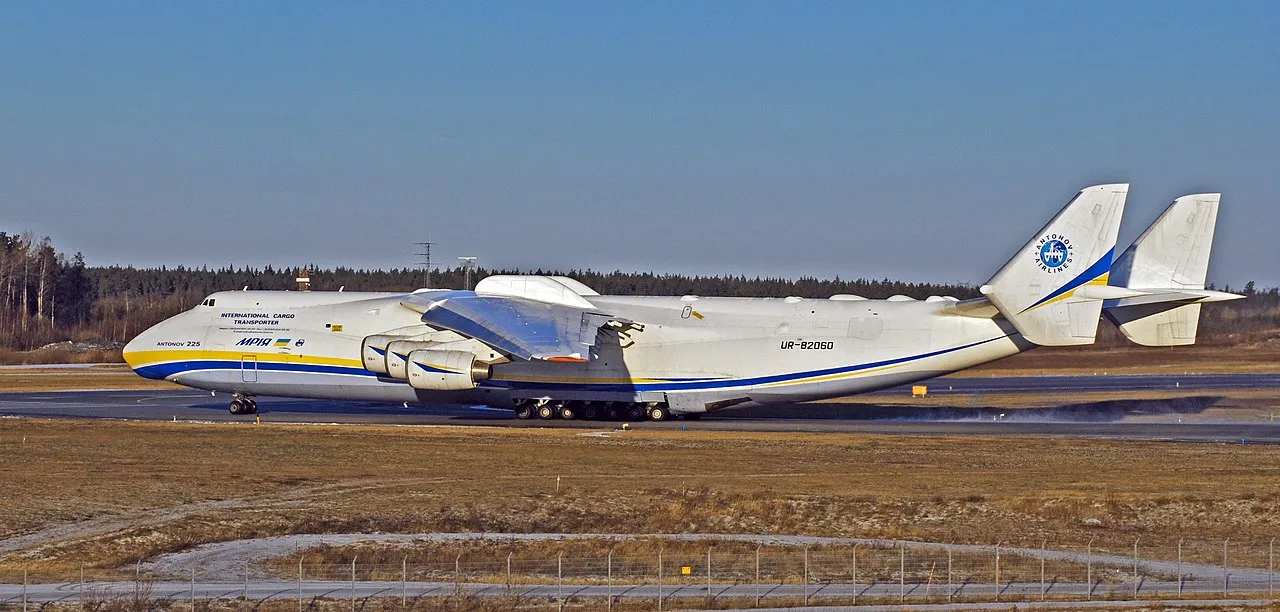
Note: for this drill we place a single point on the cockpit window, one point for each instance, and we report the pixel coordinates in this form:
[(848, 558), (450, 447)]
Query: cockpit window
[(207, 302), (211, 301)]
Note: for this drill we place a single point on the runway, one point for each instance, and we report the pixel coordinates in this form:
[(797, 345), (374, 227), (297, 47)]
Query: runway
[(1189, 395)]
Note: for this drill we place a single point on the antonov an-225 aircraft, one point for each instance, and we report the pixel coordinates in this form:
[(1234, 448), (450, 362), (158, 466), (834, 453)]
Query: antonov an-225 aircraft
[(550, 347)]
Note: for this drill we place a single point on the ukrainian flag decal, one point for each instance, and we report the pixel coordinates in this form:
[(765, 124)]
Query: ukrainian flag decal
[(283, 342)]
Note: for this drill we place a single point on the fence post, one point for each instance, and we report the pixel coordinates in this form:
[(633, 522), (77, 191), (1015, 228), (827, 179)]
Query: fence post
[(24, 590), (559, 575), (1137, 580), (299, 584), (997, 571), (1179, 566), (353, 582), (902, 572), (1271, 567), (757, 575), (404, 582), (609, 578), (1088, 564), (509, 572), (709, 598), (137, 582), (193, 588), (81, 592), (1043, 590), (1225, 578), (949, 589), (246, 581), (659, 579), (806, 575), (855, 574)]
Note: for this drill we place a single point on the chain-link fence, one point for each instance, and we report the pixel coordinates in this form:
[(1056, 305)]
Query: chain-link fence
[(685, 575)]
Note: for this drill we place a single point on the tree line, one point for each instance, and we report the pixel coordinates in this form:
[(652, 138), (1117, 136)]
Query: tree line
[(48, 296)]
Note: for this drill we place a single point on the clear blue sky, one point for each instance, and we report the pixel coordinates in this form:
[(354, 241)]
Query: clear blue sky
[(920, 140)]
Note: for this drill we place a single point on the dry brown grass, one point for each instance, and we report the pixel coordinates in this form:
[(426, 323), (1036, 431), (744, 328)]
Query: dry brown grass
[(1132, 359), (116, 377), (18, 381), (132, 490), (59, 355)]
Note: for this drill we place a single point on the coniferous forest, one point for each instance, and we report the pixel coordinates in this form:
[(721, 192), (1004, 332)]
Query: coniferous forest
[(48, 296)]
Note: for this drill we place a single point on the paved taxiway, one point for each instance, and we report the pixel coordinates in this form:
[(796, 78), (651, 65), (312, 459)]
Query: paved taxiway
[(1189, 395)]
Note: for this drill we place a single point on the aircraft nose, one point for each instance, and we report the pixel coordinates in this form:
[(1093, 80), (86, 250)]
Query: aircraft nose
[(135, 350)]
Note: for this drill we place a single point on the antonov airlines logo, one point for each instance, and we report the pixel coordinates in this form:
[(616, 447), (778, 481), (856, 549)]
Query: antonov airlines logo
[(1054, 253)]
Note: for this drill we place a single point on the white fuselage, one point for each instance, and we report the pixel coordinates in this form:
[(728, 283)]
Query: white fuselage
[(730, 350)]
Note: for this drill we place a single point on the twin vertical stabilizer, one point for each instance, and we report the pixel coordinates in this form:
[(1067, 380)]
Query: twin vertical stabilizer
[(1052, 289), (1057, 285), (1166, 268)]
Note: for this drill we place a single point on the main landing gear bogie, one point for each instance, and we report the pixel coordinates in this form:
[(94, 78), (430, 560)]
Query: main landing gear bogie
[(243, 404), (547, 410)]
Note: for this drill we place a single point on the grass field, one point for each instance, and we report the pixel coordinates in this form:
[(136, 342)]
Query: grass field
[(1260, 357), (106, 377), (106, 493)]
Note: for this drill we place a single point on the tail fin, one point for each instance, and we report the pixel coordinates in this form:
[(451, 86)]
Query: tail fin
[(1174, 252), (1042, 290), (1166, 268)]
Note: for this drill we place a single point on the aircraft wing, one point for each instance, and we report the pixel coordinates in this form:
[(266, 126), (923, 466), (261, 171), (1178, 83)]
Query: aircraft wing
[(519, 327)]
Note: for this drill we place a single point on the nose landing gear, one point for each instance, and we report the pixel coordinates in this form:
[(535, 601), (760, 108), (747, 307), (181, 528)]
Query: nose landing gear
[(243, 404)]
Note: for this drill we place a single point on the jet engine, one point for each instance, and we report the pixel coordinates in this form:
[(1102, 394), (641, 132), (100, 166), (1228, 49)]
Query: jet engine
[(398, 354), (434, 370), (373, 351)]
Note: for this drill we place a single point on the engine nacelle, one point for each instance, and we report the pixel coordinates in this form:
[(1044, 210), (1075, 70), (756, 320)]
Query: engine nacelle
[(433, 370), (398, 355), (373, 351)]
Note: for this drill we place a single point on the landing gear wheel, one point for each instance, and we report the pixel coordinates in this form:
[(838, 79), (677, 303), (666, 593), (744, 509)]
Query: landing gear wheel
[(613, 413), (237, 407), (659, 413), (590, 413), (635, 412), (568, 412), (546, 412), (253, 407), (524, 411)]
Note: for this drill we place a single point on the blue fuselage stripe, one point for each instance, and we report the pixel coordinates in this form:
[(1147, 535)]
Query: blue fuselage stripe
[(165, 370)]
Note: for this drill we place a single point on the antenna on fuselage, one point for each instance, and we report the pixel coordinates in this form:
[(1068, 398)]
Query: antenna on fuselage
[(304, 280)]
